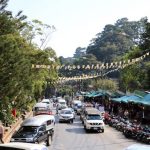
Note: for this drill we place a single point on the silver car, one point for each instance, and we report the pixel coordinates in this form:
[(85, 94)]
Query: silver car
[(66, 115)]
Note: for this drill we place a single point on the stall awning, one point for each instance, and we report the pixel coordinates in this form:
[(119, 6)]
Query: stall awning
[(146, 100), (121, 99)]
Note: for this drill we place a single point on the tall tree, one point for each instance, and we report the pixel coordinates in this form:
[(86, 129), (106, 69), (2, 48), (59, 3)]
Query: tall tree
[(116, 39), (38, 33)]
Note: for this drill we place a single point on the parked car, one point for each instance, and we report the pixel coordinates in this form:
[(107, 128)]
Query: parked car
[(37, 129), (22, 146), (66, 115)]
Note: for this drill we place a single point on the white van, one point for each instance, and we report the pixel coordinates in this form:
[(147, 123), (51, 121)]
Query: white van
[(47, 101), (75, 104), (61, 104), (41, 108), (37, 129)]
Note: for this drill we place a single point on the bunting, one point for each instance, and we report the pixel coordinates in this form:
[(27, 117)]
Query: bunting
[(102, 66)]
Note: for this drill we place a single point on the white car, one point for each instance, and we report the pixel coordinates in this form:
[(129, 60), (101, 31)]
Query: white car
[(66, 115), (47, 101), (92, 120), (69, 108), (41, 108), (138, 147), (61, 104), (22, 146), (37, 129)]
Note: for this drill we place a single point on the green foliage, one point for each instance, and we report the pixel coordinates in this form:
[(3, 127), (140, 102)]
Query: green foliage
[(65, 90), (116, 39), (21, 84), (145, 44), (80, 52), (135, 76), (105, 84), (35, 31)]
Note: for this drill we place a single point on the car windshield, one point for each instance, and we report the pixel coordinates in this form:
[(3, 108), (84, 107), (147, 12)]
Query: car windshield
[(46, 102), (79, 106), (62, 103), (41, 108), (94, 117), (66, 112), (28, 129)]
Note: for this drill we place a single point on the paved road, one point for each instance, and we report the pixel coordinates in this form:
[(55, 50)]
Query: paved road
[(73, 137)]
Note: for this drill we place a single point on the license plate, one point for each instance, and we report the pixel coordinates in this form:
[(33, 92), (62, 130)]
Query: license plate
[(95, 128), (148, 138)]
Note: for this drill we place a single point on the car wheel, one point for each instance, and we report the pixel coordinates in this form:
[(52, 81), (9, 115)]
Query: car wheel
[(87, 130), (49, 140), (71, 121), (102, 130)]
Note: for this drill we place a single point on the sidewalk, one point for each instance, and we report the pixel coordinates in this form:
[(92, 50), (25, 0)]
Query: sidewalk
[(14, 127)]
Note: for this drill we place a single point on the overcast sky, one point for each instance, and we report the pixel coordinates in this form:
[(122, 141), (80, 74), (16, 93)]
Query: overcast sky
[(78, 21)]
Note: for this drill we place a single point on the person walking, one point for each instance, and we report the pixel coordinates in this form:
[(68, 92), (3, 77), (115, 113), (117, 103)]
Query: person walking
[(1, 132)]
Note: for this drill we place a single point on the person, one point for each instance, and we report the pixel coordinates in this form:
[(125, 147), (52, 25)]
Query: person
[(126, 114), (1, 132)]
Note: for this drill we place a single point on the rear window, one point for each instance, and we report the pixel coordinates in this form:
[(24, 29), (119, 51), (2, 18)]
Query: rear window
[(62, 103), (41, 108), (46, 102)]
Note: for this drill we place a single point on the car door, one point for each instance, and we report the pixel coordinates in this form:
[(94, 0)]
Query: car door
[(42, 134)]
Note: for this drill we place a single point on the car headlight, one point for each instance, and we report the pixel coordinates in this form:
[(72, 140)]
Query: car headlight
[(12, 140), (61, 117), (88, 123), (29, 140)]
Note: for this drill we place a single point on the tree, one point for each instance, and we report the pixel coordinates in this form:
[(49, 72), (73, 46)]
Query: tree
[(135, 76), (105, 84), (37, 32), (80, 52), (20, 83), (116, 39)]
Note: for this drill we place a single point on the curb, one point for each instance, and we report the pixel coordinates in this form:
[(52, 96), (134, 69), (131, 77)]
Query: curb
[(10, 132)]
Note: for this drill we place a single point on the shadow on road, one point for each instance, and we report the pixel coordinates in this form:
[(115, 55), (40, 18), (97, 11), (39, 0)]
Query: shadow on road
[(75, 123), (78, 130)]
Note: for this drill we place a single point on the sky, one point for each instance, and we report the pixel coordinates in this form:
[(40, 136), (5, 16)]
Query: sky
[(78, 21)]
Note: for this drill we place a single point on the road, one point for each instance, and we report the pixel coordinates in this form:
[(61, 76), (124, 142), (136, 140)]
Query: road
[(73, 137)]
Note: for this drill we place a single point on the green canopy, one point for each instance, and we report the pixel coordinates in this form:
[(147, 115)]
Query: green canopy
[(146, 99), (121, 99), (98, 94)]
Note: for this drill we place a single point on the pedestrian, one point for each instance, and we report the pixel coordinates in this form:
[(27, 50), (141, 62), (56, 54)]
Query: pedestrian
[(126, 114), (1, 132)]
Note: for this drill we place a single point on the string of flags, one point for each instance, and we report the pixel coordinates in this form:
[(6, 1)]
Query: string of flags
[(120, 64), (114, 66)]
